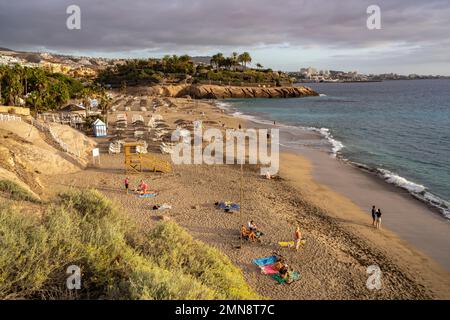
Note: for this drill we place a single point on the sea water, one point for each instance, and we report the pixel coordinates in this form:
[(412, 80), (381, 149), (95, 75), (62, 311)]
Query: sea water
[(398, 129)]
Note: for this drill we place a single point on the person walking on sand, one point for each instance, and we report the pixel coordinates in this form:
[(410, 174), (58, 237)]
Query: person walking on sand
[(297, 238), (374, 215), (378, 221), (127, 184)]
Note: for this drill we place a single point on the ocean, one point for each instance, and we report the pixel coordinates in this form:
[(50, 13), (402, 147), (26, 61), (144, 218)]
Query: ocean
[(400, 130)]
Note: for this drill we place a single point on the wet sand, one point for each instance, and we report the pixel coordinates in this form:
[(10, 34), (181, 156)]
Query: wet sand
[(408, 217)]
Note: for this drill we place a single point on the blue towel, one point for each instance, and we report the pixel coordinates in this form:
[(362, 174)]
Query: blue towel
[(147, 195), (234, 206), (261, 262), (221, 205), (231, 206)]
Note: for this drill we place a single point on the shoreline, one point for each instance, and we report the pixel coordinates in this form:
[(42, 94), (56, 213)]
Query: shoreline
[(435, 203), (409, 218)]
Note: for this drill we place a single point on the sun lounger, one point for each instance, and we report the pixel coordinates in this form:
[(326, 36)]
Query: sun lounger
[(261, 262), (165, 149), (137, 118), (114, 148)]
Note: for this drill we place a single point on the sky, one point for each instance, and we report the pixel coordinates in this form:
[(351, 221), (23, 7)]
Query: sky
[(280, 34)]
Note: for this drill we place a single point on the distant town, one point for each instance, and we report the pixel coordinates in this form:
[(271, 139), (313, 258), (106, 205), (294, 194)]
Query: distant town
[(89, 67), (313, 75)]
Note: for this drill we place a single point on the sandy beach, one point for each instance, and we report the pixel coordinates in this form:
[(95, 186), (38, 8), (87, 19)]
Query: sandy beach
[(340, 241), (413, 220)]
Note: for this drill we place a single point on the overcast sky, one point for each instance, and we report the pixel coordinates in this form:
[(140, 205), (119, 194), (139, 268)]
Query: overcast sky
[(281, 34)]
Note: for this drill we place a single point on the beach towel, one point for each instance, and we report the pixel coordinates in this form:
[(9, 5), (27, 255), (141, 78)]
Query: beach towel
[(290, 244), (163, 206), (228, 206), (260, 262), (286, 243), (293, 276), (148, 195), (268, 269)]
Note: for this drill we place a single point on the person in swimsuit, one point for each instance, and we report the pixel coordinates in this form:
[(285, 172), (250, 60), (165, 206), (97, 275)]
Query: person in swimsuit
[(297, 238)]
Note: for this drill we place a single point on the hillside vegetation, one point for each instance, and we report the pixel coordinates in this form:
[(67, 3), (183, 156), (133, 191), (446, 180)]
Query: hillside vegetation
[(84, 228), (43, 90), (175, 69)]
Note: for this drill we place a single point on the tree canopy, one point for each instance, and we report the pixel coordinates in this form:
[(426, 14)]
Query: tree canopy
[(38, 88)]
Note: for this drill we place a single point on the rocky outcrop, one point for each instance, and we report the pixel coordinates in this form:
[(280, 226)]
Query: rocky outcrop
[(223, 92)]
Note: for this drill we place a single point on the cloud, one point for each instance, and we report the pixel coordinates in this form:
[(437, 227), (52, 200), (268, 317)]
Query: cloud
[(113, 26)]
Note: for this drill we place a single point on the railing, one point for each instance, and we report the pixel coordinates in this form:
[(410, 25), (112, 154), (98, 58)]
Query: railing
[(46, 128), (7, 117)]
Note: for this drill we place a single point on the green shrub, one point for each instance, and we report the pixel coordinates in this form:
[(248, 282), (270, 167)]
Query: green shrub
[(85, 229), (16, 192), (174, 249)]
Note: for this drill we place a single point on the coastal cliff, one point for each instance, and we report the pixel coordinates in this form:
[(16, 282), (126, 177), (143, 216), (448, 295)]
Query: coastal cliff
[(223, 92)]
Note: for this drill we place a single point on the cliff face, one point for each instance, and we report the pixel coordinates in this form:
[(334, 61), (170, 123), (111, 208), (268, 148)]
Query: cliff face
[(223, 92)]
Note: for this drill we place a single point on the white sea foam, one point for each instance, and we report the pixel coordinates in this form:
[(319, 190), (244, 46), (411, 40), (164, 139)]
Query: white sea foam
[(401, 182), (336, 145), (222, 105), (322, 95), (417, 190)]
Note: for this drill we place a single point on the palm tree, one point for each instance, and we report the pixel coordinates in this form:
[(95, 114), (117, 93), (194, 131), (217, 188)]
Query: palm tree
[(217, 60), (35, 98), (3, 71), (259, 65), (235, 58), (14, 84), (245, 58)]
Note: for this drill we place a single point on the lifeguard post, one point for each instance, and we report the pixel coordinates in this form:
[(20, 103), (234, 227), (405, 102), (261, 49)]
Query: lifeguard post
[(138, 162)]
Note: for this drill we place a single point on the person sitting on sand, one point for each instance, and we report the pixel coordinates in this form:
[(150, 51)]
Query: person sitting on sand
[(374, 215), (143, 187), (378, 221), (247, 235), (278, 264), (284, 271), (297, 238), (254, 228)]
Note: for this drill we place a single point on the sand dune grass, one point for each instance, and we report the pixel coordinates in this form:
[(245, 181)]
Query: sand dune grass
[(84, 228), (15, 192)]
